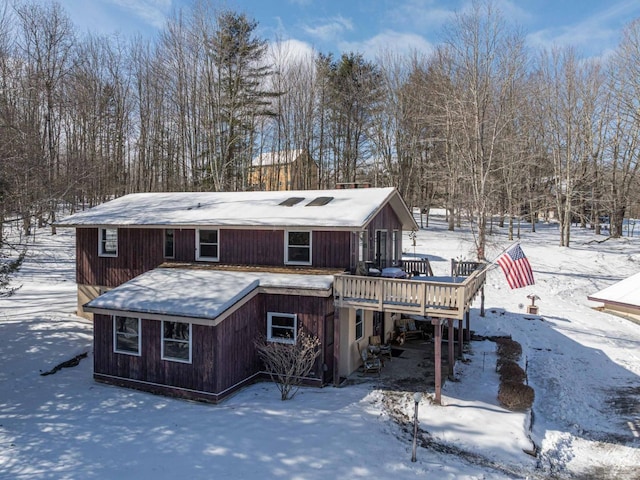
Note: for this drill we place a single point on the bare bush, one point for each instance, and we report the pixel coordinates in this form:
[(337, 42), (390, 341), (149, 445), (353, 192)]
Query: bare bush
[(512, 394), (510, 371), (508, 349), (289, 363), (515, 396)]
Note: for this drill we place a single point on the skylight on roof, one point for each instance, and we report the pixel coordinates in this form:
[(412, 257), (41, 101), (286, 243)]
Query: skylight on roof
[(291, 201), (319, 201)]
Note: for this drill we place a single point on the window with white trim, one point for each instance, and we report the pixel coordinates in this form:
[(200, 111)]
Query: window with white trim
[(126, 335), (359, 323), (169, 243), (176, 341), (282, 327), (207, 245), (297, 248), (108, 242)]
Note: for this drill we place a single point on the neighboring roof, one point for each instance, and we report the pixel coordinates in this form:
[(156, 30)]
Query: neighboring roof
[(347, 209), (626, 292), (282, 157), (196, 293)]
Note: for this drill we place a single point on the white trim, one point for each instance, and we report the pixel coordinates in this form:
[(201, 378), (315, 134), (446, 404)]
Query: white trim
[(294, 329), (208, 226), (115, 336), (162, 340), (286, 247), (395, 247), (361, 323), (185, 389), (217, 244), (362, 245), (102, 242)]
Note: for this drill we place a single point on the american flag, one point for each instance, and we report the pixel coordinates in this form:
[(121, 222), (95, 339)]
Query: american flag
[(516, 267)]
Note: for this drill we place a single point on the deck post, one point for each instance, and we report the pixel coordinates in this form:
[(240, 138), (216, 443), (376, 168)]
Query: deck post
[(336, 347), (460, 338), (437, 348), (467, 327), (451, 340)]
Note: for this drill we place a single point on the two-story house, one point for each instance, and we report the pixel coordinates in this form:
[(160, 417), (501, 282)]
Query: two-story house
[(179, 285)]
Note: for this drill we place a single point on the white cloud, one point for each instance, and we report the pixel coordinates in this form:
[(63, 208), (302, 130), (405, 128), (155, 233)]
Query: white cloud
[(423, 15), (510, 11), (597, 34), (330, 29), (398, 42), (291, 50), (152, 12)]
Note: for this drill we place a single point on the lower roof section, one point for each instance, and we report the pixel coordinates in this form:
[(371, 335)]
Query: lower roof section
[(200, 293)]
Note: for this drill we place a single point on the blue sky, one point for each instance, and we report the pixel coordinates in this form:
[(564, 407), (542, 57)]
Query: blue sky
[(369, 26)]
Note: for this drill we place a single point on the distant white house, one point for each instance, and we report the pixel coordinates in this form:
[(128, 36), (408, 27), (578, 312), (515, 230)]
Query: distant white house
[(622, 298)]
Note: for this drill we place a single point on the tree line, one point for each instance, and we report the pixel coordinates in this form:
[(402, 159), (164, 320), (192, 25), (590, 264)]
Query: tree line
[(482, 125)]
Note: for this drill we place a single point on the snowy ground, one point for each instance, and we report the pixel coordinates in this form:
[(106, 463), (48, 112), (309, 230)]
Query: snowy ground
[(584, 366)]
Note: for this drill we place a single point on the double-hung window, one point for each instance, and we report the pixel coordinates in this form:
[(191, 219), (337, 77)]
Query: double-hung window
[(207, 245), (282, 327), (176, 341), (126, 335), (297, 248), (108, 242)]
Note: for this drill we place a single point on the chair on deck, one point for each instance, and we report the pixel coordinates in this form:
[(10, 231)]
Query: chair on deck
[(463, 268), (370, 363), (383, 349), (408, 328)]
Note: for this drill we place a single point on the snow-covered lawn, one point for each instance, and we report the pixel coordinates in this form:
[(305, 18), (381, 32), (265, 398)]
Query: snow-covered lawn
[(584, 366)]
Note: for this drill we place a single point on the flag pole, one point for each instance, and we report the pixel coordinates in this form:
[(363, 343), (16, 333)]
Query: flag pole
[(493, 263)]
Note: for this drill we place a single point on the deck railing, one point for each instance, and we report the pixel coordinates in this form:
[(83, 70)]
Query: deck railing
[(442, 299)]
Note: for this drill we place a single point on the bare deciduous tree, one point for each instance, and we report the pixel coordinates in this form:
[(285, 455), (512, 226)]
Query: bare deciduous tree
[(623, 155), (487, 60)]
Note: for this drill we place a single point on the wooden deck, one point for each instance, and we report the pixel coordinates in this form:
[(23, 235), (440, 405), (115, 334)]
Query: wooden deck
[(440, 297)]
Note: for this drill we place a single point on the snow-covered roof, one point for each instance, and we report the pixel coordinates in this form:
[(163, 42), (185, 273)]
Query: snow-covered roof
[(188, 292), (282, 157), (625, 292), (345, 208)]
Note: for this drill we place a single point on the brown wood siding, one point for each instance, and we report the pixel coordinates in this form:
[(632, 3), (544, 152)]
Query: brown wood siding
[(222, 356), (387, 220), (149, 367), (185, 245), (311, 313), (252, 247), (266, 247), (142, 249), (139, 250), (235, 354), (331, 249)]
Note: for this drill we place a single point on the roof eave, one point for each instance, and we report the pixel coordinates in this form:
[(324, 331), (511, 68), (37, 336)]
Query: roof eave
[(613, 302), (400, 208)]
